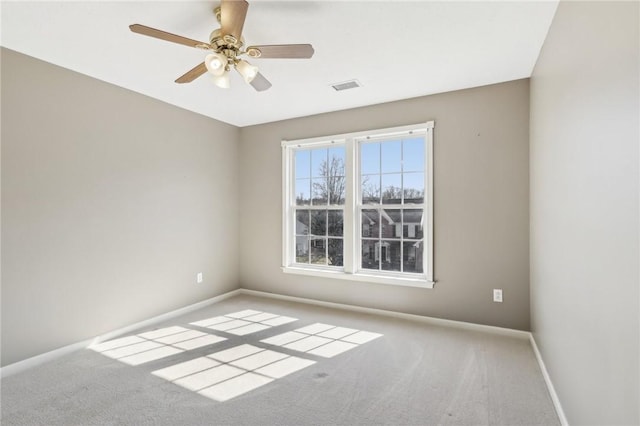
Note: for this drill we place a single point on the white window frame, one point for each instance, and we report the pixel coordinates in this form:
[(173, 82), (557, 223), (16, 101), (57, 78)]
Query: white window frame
[(351, 222)]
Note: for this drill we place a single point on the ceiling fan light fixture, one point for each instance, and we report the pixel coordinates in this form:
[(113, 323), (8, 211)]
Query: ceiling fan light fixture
[(222, 81), (216, 63), (246, 70)]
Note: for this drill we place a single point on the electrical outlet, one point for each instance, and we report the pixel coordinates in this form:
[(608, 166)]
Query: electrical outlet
[(497, 295), (199, 277)]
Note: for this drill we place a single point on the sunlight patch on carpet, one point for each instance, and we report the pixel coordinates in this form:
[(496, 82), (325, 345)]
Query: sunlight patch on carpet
[(323, 340)]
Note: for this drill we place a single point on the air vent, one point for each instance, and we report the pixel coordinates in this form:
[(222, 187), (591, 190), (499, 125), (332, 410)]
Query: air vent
[(351, 84)]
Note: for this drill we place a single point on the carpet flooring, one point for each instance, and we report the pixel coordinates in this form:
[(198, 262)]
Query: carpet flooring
[(256, 361)]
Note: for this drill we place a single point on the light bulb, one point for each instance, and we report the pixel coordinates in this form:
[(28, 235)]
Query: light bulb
[(247, 71), (215, 63)]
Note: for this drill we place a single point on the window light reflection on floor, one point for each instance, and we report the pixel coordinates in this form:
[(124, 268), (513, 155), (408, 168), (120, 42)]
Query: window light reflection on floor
[(226, 374), (244, 322), (223, 375), (322, 339), (154, 345)]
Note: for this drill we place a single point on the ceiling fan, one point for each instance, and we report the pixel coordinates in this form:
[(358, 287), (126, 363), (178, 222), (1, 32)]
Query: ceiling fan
[(226, 46)]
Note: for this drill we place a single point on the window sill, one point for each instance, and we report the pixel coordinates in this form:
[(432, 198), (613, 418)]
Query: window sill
[(378, 279)]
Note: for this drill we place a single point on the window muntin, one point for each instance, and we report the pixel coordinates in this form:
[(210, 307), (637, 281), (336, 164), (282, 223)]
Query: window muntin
[(359, 206)]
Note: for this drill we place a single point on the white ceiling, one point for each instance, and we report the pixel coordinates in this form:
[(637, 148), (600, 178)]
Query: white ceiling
[(395, 49)]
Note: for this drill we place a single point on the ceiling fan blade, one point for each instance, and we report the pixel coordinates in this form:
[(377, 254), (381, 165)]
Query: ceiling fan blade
[(293, 51), (260, 83), (192, 74), (232, 16), (163, 35)]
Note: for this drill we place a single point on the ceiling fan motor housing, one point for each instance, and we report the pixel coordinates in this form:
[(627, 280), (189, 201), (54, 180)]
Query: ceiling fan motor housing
[(228, 45)]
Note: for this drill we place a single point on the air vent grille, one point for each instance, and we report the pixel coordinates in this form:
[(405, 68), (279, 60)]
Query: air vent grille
[(351, 84)]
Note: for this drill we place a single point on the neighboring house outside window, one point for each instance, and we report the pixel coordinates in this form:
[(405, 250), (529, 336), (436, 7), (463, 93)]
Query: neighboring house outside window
[(360, 206)]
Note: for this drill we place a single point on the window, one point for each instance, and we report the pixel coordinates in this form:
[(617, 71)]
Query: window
[(359, 206)]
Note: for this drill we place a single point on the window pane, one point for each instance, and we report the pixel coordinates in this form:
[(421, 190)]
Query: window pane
[(302, 222), (371, 189), (391, 189), (337, 185), (318, 251), (302, 249), (335, 223), (412, 256), (370, 223), (391, 157), (335, 252), (303, 164), (336, 181), (391, 223), (303, 192), (319, 222), (369, 158), (369, 254), (413, 155), (413, 223), (319, 162), (337, 156), (413, 188), (320, 192), (390, 255)]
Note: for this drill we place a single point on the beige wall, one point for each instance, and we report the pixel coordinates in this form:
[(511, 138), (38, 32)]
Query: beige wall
[(584, 210), (111, 203), (481, 205)]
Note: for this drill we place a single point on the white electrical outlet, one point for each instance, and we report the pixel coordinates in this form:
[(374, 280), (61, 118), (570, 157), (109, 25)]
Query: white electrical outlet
[(199, 277), (497, 295)]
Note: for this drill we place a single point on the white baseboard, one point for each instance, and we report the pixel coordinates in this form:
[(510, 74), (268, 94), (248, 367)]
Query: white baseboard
[(429, 320), (547, 380), (20, 366), (28, 363)]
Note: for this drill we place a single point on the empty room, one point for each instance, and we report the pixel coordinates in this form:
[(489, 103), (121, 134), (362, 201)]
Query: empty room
[(320, 213)]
